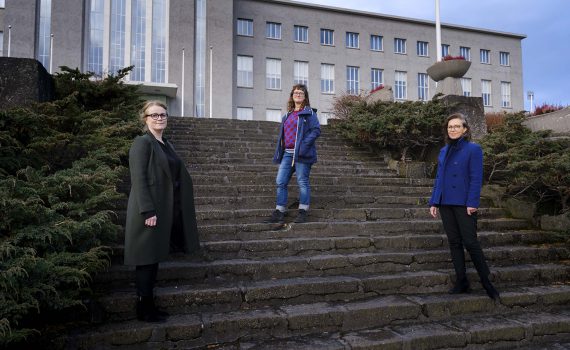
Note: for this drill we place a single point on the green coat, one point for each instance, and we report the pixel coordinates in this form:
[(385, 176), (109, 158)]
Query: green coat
[(151, 189)]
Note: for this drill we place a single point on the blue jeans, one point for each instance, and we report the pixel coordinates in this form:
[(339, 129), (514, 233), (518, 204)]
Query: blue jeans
[(284, 175)]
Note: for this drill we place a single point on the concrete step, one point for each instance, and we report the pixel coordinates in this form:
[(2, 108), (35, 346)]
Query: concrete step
[(269, 188), (185, 269), (208, 297), (539, 310), (243, 216), (243, 178), (321, 163), (343, 228), (269, 168)]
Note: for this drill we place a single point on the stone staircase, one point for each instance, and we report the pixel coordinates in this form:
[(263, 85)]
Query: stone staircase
[(370, 269)]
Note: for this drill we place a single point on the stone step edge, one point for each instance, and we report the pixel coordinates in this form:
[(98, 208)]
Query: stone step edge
[(239, 295), (208, 328)]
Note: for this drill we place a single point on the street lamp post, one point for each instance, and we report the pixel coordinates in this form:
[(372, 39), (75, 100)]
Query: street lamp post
[(437, 31), (9, 39)]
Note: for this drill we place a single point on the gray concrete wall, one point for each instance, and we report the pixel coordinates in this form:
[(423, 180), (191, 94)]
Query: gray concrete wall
[(317, 17), (181, 35), (220, 36), (21, 14), (67, 26), (558, 122)]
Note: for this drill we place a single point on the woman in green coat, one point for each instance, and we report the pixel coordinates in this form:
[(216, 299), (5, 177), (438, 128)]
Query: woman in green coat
[(160, 215)]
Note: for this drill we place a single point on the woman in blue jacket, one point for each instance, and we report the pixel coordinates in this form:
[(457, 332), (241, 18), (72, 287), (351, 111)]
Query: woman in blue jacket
[(456, 192), (296, 152)]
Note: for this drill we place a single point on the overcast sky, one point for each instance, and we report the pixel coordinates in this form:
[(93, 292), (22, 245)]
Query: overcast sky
[(546, 49)]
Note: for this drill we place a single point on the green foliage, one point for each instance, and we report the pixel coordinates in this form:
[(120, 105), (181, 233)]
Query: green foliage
[(529, 163), (407, 129), (60, 163)]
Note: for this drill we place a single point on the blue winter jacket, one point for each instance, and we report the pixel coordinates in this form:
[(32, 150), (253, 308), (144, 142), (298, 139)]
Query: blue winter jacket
[(459, 175), (308, 130)]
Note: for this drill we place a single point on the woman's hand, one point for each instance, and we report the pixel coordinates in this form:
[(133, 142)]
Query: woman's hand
[(433, 211), (150, 221), (471, 210)]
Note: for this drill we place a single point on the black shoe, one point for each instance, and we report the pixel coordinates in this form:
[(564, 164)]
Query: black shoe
[(302, 216), (277, 217), (460, 289), (491, 291), (147, 311)]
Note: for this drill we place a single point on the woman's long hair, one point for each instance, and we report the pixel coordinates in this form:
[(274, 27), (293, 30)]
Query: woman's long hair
[(291, 103), (460, 116), (145, 107)]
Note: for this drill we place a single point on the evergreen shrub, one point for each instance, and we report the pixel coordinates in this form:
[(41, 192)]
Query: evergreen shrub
[(60, 163)]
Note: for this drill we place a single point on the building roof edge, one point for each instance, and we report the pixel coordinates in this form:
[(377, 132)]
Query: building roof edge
[(392, 17)]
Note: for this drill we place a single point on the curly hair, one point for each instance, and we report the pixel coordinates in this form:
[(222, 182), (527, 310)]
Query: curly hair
[(460, 116), (291, 102)]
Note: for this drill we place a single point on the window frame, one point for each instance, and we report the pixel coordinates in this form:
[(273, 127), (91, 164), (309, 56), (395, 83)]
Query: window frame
[(422, 46), (249, 73), (328, 70), (297, 29), (296, 67), (352, 40), (506, 96), (249, 109), (423, 90), (273, 30), (445, 48), (375, 73), (465, 51), (485, 56), (380, 40), (403, 87), (487, 96), (403, 44), (466, 82), (352, 80), (273, 81), (248, 27), (327, 34), (504, 55)]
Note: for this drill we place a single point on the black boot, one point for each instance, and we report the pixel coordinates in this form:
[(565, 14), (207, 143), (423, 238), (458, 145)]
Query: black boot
[(147, 311), (490, 289), (460, 287)]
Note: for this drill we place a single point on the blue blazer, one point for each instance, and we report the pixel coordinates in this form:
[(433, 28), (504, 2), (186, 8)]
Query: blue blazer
[(459, 175), (308, 130)]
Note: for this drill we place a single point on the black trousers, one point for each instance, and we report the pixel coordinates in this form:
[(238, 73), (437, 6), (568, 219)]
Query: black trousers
[(145, 275), (461, 230)]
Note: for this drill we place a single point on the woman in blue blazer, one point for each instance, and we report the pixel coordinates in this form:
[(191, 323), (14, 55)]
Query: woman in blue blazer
[(456, 193)]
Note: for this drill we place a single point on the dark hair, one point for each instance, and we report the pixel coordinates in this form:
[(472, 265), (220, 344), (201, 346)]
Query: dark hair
[(460, 116), (291, 103), (145, 107)]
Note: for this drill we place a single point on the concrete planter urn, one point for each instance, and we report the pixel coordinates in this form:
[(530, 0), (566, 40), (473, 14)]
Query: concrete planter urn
[(448, 69)]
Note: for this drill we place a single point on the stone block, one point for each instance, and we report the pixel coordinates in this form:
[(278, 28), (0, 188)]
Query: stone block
[(555, 223), (378, 312), (23, 81), (520, 209), (381, 339)]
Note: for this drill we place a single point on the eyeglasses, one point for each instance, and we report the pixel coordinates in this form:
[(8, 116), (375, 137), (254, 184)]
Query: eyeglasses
[(298, 93), (156, 116), (454, 127)]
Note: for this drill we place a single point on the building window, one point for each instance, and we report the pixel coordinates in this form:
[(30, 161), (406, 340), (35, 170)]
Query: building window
[(273, 30), (352, 40), (485, 56), (376, 43), (399, 45), (465, 52), (504, 58), (466, 86), (244, 71), (422, 48), (352, 80), (273, 74), (444, 50), (327, 78), (245, 27), (117, 37), (486, 92), (1, 44), (423, 87), (200, 59), (138, 39), (376, 78), (327, 37), (2, 4), (244, 113), (301, 34), (400, 85), (273, 115), (301, 73), (505, 94), (96, 23), (159, 18)]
